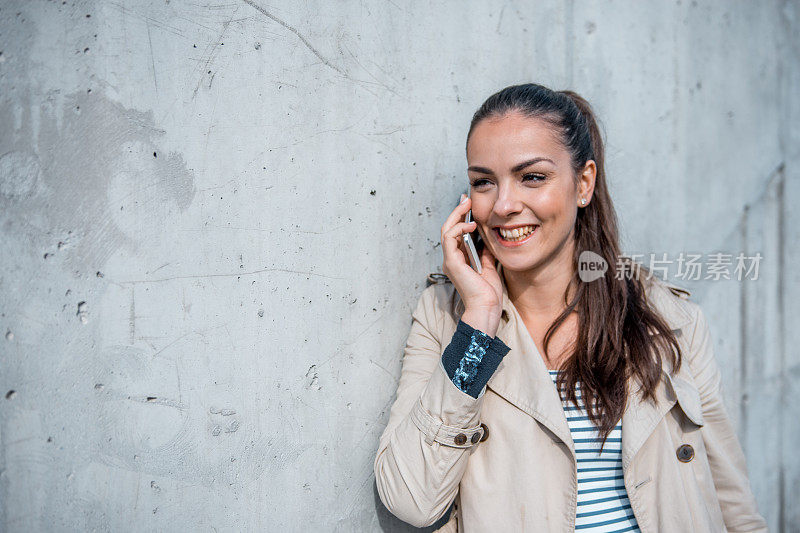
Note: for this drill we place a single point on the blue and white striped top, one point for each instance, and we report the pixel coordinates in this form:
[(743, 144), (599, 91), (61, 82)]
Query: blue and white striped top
[(603, 504)]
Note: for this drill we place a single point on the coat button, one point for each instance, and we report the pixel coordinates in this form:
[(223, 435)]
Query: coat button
[(685, 453), (485, 432), (475, 437), (460, 439)]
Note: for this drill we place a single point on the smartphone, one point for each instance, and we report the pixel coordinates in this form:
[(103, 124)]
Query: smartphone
[(472, 251)]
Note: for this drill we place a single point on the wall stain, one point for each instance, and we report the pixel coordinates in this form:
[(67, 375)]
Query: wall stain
[(89, 171)]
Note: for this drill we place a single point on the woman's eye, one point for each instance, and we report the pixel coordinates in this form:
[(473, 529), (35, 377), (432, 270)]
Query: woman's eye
[(534, 177), (479, 182)]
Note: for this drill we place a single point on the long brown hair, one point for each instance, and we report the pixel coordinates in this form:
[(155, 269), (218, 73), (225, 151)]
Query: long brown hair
[(614, 342)]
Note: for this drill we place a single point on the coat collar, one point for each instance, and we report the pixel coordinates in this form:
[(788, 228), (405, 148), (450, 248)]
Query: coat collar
[(523, 379)]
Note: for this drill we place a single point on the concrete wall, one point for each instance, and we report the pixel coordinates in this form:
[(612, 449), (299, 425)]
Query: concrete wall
[(216, 218)]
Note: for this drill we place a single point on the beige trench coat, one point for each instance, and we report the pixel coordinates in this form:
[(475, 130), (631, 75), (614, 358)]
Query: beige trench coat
[(523, 475)]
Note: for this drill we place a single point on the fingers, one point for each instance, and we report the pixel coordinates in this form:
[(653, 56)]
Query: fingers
[(457, 215), (460, 228), (454, 250), (451, 239)]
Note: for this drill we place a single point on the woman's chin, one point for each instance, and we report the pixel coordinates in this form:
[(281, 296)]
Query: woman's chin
[(516, 264)]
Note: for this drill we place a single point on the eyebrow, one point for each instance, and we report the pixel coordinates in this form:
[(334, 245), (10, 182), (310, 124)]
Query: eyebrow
[(484, 170)]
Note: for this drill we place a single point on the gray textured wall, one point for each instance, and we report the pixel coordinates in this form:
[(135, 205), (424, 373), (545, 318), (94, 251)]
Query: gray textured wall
[(215, 220)]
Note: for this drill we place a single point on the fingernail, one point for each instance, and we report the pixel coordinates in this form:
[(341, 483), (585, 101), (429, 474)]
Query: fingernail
[(463, 198)]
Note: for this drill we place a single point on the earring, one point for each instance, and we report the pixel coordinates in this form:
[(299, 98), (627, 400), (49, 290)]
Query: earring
[(583, 201)]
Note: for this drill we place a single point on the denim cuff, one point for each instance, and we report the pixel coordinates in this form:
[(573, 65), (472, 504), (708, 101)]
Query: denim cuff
[(472, 357)]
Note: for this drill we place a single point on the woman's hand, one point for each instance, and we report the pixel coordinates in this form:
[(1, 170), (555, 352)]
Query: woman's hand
[(482, 293)]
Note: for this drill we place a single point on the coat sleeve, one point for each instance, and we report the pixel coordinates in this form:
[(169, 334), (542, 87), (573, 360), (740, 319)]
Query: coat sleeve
[(472, 357), (423, 452), (725, 455)]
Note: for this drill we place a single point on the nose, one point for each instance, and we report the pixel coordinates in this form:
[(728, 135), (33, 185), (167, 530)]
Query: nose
[(506, 205)]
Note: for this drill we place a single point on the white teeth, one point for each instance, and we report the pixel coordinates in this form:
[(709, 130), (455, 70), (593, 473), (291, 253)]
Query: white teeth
[(516, 233)]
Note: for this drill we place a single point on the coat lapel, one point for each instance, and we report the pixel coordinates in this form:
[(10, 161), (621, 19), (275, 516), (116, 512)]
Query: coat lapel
[(523, 379), (641, 417)]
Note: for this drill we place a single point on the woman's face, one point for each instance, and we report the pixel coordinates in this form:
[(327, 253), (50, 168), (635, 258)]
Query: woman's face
[(521, 178)]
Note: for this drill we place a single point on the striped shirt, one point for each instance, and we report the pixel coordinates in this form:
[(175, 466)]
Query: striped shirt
[(603, 504)]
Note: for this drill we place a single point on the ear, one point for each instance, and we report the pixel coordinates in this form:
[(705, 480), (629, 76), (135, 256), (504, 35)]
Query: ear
[(586, 180)]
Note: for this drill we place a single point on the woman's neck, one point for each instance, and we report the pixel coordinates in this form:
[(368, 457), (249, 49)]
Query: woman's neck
[(540, 292)]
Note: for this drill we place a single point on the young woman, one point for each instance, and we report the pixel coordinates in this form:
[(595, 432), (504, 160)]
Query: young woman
[(533, 398)]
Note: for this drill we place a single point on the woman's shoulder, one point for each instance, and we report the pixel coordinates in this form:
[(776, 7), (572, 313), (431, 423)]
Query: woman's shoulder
[(440, 299), (673, 301)]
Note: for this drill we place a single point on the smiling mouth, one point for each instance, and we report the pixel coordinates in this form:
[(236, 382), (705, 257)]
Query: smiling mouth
[(516, 235)]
